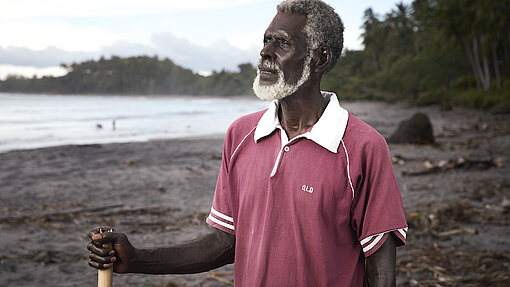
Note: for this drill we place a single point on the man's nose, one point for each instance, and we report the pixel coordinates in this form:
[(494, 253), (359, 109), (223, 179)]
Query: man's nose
[(267, 51)]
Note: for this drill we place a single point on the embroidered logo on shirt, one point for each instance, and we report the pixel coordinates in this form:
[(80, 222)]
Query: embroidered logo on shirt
[(307, 188)]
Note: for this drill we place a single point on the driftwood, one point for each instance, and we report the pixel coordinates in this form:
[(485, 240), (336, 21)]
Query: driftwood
[(70, 214), (219, 277), (441, 166), (439, 263), (400, 159), (451, 267), (195, 170), (457, 231)]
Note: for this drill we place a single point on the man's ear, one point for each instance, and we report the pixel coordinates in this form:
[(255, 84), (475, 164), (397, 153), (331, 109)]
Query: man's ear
[(323, 58)]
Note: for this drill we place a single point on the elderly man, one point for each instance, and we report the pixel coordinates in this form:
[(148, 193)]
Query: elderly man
[(306, 194)]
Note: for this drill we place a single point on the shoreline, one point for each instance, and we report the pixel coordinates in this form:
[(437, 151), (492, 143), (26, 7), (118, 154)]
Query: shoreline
[(191, 137), (406, 103), (242, 97)]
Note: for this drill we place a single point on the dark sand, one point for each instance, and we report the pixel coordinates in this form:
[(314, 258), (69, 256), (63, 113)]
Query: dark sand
[(160, 192)]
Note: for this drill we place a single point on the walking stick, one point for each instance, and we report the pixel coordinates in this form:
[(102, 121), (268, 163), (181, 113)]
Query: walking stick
[(105, 276)]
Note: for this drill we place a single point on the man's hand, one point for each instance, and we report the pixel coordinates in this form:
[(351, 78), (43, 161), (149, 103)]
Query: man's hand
[(110, 248)]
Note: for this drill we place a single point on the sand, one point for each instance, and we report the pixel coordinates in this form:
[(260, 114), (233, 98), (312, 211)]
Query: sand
[(160, 192)]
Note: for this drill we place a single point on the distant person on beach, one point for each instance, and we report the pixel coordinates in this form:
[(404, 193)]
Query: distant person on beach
[(306, 194)]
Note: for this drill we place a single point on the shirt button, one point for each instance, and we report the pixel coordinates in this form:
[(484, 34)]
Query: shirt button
[(286, 149)]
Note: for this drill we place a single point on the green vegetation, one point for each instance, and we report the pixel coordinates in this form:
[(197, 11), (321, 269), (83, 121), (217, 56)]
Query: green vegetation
[(444, 52), (135, 75)]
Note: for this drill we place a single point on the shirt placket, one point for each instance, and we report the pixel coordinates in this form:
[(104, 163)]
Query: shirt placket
[(284, 147)]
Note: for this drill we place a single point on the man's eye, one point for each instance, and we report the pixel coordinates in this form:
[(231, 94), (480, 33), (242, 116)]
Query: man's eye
[(284, 42), (266, 40)]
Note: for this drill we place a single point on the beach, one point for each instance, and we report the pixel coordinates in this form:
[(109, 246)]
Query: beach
[(456, 193)]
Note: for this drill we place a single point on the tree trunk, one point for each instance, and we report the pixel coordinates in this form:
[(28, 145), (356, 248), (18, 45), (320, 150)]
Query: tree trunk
[(486, 71), (495, 61), (478, 67), (505, 65), (472, 63), (508, 51)]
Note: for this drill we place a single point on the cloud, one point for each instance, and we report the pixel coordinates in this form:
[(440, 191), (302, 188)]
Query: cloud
[(51, 56), (127, 49), (216, 56), (40, 34)]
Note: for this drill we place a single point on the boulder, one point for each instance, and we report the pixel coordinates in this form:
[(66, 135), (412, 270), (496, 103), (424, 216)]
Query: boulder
[(415, 130)]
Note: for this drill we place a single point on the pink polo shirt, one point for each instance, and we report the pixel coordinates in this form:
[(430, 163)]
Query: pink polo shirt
[(306, 212)]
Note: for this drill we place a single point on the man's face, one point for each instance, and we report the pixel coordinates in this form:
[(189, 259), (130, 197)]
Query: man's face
[(285, 60)]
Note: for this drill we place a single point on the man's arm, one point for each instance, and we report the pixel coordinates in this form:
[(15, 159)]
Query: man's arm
[(203, 254), (381, 265)]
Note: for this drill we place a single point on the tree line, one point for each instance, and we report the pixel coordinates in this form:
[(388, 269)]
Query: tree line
[(134, 75), (446, 52)]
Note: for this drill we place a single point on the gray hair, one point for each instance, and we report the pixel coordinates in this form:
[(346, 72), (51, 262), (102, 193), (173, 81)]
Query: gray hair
[(323, 25)]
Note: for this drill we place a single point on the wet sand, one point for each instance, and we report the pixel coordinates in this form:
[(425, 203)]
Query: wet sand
[(160, 192)]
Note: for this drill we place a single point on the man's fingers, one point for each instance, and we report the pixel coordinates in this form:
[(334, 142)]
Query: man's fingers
[(101, 229), (103, 238), (98, 265), (100, 251), (99, 259)]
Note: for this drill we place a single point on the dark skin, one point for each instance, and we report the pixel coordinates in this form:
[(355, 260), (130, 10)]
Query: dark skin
[(206, 253), (285, 44)]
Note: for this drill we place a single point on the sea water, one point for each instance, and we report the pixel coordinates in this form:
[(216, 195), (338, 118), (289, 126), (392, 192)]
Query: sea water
[(34, 121)]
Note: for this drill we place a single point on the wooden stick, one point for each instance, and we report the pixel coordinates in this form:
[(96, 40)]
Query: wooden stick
[(105, 276)]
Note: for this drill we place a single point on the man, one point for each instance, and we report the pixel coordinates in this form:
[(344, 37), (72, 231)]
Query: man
[(306, 194)]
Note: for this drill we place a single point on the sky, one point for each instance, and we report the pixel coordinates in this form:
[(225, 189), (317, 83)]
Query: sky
[(203, 35)]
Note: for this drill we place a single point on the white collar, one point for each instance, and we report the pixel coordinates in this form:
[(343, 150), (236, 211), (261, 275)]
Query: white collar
[(327, 132)]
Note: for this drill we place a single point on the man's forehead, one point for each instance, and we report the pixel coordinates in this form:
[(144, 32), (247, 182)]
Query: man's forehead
[(289, 24)]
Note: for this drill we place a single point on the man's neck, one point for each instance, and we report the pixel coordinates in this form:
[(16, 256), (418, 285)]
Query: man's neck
[(301, 110)]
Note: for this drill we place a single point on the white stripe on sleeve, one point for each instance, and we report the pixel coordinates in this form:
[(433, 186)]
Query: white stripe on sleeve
[(366, 240), (377, 237), (229, 226), (221, 215), (374, 243), (403, 231)]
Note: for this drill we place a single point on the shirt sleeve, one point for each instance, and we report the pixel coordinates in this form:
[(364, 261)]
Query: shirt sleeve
[(220, 215), (377, 208)]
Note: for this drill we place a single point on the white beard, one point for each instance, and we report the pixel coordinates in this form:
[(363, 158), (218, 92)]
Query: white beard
[(280, 89)]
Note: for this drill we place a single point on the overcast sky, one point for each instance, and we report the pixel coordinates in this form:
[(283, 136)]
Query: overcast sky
[(37, 36)]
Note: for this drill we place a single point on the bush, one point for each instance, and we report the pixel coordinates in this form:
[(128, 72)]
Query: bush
[(435, 97)]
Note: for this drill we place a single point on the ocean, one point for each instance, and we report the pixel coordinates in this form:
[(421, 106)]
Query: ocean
[(35, 121)]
